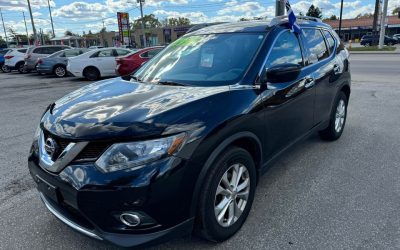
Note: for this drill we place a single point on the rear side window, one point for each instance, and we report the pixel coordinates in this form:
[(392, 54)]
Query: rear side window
[(330, 40), (285, 50), (22, 50), (104, 53), (39, 51), (316, 45)]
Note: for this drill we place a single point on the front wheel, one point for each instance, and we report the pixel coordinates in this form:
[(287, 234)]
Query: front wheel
[(338, 119), (5, 69), (227, 195), (21, 68)]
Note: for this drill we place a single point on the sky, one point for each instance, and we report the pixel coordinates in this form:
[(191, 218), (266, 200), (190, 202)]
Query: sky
[(82, 16)]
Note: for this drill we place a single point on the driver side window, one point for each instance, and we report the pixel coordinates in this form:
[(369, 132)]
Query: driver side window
[(286, 50)]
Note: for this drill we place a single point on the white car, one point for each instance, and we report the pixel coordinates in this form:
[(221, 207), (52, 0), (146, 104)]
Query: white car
[(14, 60), (96, 63)]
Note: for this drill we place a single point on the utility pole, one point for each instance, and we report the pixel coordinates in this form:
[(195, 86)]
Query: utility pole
[(33, 23), (383, 22), (26, 28), (51, 19), (4, 27), (376, 14), (340, 20), (141, 12), (280, 8)]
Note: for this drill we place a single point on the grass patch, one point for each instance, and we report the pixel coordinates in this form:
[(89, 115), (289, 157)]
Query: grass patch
[(373, 48)]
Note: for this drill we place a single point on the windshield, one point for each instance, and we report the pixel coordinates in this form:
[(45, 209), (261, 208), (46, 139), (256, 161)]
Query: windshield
[(203, 60)]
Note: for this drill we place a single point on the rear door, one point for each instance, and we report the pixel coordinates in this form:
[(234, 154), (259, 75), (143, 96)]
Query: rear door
[(289, 112)]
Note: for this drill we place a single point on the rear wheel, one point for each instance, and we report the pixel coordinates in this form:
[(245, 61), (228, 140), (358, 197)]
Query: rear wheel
[(91, 74), (60, 71), (338, 119), (367, 44), (21, 68), (227, 195)]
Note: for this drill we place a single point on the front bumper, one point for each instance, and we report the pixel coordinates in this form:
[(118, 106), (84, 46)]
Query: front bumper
[(86, 200), (123, 240)]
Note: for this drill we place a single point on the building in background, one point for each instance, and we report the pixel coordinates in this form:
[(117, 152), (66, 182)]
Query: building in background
[(354, 29)]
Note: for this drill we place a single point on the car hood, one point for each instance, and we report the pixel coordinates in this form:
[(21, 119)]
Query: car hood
[(117, 108)]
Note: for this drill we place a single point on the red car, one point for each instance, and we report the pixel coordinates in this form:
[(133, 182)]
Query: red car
[(128, 64)]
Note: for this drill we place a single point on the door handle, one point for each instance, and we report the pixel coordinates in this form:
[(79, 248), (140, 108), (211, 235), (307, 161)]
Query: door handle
[(310, 82), (336, 69)]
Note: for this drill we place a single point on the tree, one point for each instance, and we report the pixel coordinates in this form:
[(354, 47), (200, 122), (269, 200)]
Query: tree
[(70, 33), (396, 10), (150, 21), (314, 11), (333, 17), (180, 21), (366, 15)]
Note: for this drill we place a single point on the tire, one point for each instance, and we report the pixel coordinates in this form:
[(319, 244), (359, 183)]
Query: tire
[(207, 224), (5, 69), (367, 44), (60, 71), (21, 69), (390, 44), (91, 73), (337, 119)]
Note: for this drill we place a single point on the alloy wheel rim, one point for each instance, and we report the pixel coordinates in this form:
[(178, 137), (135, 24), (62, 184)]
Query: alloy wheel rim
[(340, 115), (232, 195), (60, 71)]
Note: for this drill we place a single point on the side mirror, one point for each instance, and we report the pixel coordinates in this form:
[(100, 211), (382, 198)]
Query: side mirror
[(282, 73)]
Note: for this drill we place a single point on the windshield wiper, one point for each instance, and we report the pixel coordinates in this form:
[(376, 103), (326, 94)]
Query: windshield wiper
[(171, 83)]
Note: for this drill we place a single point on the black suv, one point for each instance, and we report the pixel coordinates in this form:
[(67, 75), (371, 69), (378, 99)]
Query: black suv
[(369, 40), (179, 147)]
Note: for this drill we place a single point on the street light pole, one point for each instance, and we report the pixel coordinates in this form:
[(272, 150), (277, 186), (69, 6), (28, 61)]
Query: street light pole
[(4, 27), (33, 23), (51, 19), (383, 22), (26, 28), (141, 12), (340, 20)]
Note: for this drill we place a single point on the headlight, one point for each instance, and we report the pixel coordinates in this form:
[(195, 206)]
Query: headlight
[(135, 154)]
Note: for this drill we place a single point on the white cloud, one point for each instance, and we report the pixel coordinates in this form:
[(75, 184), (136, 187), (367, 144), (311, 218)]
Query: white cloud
[(195, 17), (21, 5), (82, 10), (252, 8)]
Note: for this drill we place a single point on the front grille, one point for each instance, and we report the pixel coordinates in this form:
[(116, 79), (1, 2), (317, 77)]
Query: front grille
[(92, 151)]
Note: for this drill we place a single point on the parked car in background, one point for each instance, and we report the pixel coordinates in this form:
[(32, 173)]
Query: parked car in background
[(96, 47), (2, 60), (14, 60), (57, 63), (372, 40), (128, 64), (397, 36), (95, 63), (34, 53)]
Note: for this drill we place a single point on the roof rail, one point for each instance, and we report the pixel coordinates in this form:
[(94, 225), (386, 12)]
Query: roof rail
[(279, 19)]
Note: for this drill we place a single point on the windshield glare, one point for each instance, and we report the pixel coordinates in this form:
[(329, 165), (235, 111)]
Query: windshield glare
[(203, 60)]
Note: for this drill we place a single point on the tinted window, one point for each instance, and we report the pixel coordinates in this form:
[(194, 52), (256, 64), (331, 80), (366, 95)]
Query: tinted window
[(71, 53), (122, 52), (39, 51), (203, 60), (285, 50), (150, 53), (330, 40), (316, 44), (22, 50)]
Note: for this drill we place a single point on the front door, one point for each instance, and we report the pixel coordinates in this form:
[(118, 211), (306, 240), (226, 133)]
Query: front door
[(289, 106)]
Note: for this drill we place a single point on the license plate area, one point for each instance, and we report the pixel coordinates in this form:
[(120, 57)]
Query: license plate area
[(47, 189)]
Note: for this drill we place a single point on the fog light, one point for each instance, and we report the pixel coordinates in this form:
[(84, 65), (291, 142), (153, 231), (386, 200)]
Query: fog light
[(130, 219)]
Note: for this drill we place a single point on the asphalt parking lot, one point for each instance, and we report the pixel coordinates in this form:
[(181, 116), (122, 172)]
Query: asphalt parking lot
[(320, 195)]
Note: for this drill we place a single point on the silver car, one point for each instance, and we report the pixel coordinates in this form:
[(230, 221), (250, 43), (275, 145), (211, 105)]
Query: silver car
[(34, 53), (57, 63)]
